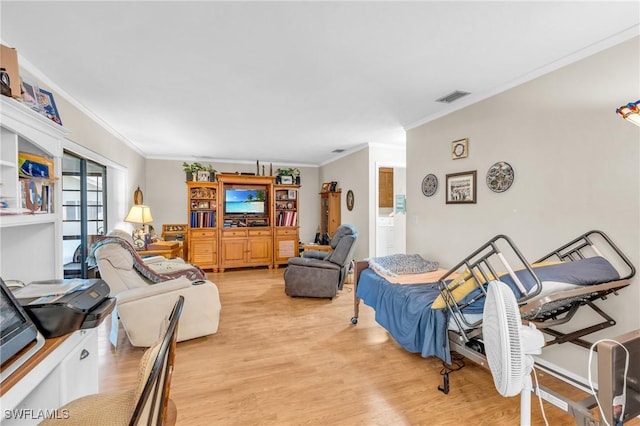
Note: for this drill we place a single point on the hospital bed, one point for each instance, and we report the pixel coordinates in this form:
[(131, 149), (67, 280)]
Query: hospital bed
[(443, 312)]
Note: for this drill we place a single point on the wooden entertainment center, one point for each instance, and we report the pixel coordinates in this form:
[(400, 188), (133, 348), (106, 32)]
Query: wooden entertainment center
[(242, 221)]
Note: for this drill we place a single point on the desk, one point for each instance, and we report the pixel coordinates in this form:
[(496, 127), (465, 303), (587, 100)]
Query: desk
[(64, 369), (316, 247)]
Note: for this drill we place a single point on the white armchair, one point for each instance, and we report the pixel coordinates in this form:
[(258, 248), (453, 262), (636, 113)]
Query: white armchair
[(145, 289)]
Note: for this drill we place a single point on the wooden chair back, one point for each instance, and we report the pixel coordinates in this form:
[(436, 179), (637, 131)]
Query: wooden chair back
[(153, 402)]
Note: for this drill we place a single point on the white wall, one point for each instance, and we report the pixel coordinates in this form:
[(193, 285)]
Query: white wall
[(576, 168)]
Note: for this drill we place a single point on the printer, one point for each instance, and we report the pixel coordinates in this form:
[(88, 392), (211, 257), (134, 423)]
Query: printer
[(58, 307)]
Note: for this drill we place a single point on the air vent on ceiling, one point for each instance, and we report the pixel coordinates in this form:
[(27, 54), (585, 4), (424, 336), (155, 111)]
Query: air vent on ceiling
[(338, 151), (453, 96)]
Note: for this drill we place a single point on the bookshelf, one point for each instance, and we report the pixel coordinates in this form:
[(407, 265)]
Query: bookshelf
[(286, 239), (202, 207)]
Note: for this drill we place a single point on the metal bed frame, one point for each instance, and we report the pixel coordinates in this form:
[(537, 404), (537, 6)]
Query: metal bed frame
[(545, 312)]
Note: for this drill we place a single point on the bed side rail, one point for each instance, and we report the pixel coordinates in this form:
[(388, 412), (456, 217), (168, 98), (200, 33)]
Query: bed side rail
[(493, 259), (559, 308), (593, 243)]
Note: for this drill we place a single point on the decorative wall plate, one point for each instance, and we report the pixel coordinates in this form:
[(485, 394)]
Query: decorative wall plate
[(429, 185), (350, 200), (500, 176)]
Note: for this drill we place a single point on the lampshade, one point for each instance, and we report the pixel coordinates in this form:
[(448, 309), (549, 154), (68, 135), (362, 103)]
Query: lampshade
[(139, 214), (630, 112)]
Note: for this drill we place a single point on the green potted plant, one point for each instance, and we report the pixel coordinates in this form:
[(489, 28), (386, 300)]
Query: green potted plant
[(293, 172), (191, 170), (296, 175), (212, 172)]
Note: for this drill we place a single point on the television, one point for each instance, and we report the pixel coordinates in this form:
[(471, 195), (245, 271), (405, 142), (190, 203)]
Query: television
[(619, 404), (245, 201), (17, 332)]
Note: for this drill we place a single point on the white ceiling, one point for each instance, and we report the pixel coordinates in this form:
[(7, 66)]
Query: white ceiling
[(289, 82)]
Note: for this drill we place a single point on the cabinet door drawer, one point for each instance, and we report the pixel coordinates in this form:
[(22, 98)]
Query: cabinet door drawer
[(289, 232), (234, 233), (259, 232), (200, 233)]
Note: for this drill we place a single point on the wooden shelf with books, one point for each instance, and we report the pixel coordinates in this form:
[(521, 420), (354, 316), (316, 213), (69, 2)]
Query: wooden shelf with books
[(286, 236), (202, 207)]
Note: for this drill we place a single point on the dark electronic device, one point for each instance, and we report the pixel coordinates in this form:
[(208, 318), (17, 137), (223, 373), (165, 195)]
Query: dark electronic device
[(19, 337), (16, 328), (83, 307)]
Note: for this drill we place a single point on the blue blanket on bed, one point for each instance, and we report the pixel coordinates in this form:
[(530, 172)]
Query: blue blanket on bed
[(405, 311)]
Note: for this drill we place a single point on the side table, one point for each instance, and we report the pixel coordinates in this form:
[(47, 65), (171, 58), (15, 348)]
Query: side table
[(315, 247), (168, 253)]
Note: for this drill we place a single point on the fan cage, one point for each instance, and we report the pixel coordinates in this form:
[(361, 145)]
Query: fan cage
[(504, 350)]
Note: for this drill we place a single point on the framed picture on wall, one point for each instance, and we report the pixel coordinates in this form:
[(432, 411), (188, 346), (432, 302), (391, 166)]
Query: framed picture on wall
[(460, 149), (461, 188)]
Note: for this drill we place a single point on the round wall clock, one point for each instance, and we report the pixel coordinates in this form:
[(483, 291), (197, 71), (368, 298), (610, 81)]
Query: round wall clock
[(350, 200), (429, 185), (500, 176)]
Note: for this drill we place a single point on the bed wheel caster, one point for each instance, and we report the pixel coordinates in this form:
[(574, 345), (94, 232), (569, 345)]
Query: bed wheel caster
[(354, 320)]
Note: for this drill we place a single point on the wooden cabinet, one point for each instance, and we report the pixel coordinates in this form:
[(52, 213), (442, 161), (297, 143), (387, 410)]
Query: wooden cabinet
[(203, 248), (202, 207), (246, 230), (30, 206), (330, 216), (286, 235), (66, 368), (385, 187), (242, 221), (246, 247)]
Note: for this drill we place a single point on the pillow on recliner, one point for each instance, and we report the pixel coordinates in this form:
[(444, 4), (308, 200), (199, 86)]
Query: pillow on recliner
[(121, 234), (117, 256)]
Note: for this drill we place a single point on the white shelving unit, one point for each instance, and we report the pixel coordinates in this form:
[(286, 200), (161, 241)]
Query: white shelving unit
[(30, 244)]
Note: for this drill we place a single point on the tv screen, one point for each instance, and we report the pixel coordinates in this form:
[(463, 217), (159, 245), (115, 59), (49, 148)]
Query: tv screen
[(245, 201)]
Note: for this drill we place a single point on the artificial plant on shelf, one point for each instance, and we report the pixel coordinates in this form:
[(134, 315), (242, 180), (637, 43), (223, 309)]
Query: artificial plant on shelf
[(192, 169), (292, 171)]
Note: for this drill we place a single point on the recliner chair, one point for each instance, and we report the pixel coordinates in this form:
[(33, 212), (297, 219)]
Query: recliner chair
[(322, 274), (141, 303)]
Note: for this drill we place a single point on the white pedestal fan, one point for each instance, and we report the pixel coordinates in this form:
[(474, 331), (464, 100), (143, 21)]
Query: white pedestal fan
[(509, 345)]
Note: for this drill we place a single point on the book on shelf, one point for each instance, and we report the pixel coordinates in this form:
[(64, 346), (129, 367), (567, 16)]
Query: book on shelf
[(287, 218), (202, 219), (36, 196)]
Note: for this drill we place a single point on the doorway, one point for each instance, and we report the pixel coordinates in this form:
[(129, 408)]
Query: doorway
[(83, 211), (390, 212)]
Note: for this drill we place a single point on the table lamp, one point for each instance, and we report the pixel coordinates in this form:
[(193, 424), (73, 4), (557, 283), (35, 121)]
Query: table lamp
[(140, 214)]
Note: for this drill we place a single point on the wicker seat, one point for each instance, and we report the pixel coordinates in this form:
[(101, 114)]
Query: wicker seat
[(147, 404)]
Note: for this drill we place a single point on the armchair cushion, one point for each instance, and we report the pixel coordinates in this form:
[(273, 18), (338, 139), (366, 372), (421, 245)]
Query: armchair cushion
[(315, 254), (313, 263)]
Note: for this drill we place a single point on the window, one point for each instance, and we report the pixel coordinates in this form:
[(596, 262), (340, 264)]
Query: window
[(83, 211)]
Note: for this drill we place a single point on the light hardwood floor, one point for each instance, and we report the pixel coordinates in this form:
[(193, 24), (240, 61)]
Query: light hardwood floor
[(278, 360)]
